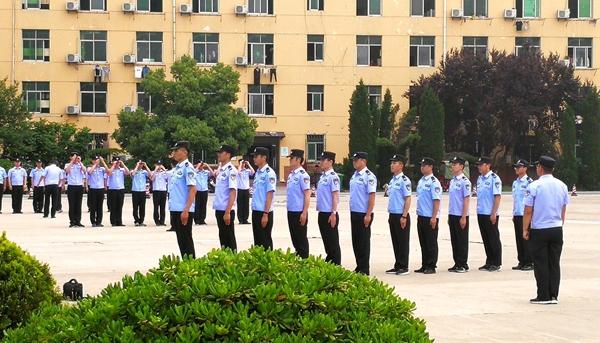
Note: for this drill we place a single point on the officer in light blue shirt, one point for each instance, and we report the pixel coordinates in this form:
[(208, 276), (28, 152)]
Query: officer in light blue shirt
[(298, 200), (140, 175), (182, 193), (17, 183), (159, 192), (3, 178), (225, 196), (35, 176), (75, 180), (429, 196), (400, 190), (489, 193), (363, 185), (546, 203), (328, 198), (265, 183), (203, 173), (245, 170), (116, 190), (519, 188), (459, 194), (97, 184)]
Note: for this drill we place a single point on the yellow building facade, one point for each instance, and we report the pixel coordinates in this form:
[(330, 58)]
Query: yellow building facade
[(317, 49)]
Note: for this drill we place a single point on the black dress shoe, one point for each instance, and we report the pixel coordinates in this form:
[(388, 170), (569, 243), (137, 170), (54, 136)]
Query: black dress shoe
[(99, 225), (527, 267), (392, 271), (453, 268), (420, 270), (80, 225), (485, 267), (517, 267), (170, 230), (72, 225), (121, 224)]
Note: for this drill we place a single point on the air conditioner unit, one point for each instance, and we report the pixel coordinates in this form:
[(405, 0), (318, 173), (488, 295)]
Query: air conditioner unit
[(72, 6), (241, 9), (185, 8), (510, 13), (457, 13), (129, 59), (563, 14), (566, 63), (243, 109), (129, 109), (73, 58), (45, 103), (73, 109), (241, 61), (129, 7)]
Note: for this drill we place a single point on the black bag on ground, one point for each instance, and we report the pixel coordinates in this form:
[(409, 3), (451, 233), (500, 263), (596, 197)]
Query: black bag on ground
[(73, 290)]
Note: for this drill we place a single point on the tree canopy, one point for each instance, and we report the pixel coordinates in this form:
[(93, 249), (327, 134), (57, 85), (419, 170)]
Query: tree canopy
[(195, 106), (363, 125)]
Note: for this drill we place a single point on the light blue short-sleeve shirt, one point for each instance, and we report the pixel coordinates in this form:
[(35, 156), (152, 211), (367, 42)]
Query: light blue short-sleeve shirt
[(53, 175), (224, 183), (399, 188), (265, 181), (547, 196), (183, 176), (139, 181), (36, 174), (459, 190), (202, 177), (328, 184), (117, 179), (362, 184), (2, 174), (428, 190), (18, 176), (97, 177), (488, 186), (244, 178), (298, 181), (76, 175), (160, 181), (519, 188)]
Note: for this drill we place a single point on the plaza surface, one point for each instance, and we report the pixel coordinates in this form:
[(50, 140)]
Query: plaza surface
[(472, 307)]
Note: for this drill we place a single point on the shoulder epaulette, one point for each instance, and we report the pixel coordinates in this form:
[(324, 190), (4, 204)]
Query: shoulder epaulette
[(464, 178), (302, 172), (332, 173), (229, 167), (267, 170), (530, 180), (494, 175), (404, 177), (187, 164), (368, 172)]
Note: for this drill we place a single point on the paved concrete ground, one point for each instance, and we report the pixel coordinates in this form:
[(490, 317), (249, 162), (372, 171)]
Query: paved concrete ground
[(472, 307)]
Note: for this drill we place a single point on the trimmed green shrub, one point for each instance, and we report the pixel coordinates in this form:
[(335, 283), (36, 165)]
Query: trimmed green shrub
[(251, 296), (25, 284)]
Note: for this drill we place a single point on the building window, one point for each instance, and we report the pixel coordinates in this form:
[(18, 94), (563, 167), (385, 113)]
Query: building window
[(524, 43), (422, 8), (206, 47), (149, 46), (580, 51), (149, 6), (92, 5), (36, 96), (315, 145), (374, 95), (93, 46), (422, 51), (260, 6), (205, 6), (144, 100), (36, 45), (315, 48), (368, 51), (475, 45), (528, 8), (368, 7), (260, 49), (93, 98), (580, 8), (316, 5), (99, 141), (260, 100), (35, 5), (315, 98), (476, 8)]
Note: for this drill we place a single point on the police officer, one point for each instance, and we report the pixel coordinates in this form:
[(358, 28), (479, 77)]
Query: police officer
[(51, 178), (182, 193), (429, 195), (225, 196), (363, 185), (546, 203), (3, 177), (265, 183), (169, 177), (519, 188), (159, 192), (458, 215), (116, 190), (399, 190), (98, 184), (489, 193), (298, 200), (140, 175), (245, 170), (75, 174), (328, 198), (17, 183), (38, 191), (203, 173)]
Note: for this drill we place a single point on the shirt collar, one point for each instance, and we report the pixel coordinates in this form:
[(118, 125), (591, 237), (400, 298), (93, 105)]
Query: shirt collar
[(546, 176), (226, 164), (361, 172), (264, 168), (523, 178), (182, 163), (396, 177), (297, 170), (427, 177), (488, 174), (458, 177)]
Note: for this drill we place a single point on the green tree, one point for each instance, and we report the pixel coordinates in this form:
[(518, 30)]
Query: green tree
[(590, 141), (385, 146), (567, 164), (57, 140), (14, 119), (362, 126), (431, 127), (195, 106)]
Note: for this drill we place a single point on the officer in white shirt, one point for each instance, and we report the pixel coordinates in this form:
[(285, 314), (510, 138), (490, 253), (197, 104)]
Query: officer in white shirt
[(52, 178)]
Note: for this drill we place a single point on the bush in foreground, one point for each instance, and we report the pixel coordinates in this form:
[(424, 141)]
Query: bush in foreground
[(25, 284), (251, 296)]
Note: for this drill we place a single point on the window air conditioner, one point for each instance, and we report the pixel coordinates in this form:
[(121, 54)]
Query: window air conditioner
[(129, 7), (566, 63), (129, 59), (129, 109), (457, 13), (241, 61), (243, 109), (564, 14), (241, 9), (73, 109), (72, 6), (510, 13), (73, 58), (185, 8), (45, 103)]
